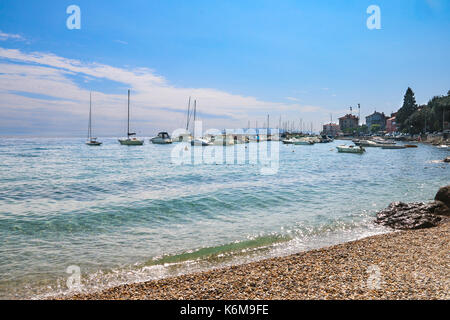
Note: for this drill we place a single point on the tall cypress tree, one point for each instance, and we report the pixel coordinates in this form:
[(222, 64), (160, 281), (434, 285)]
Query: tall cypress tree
[(408, 108)]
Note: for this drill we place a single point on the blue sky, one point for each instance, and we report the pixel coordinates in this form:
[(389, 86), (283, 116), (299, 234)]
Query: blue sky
[(240, 59)]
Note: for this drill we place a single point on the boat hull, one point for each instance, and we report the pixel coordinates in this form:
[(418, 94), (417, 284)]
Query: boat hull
[(163, 141), (303, 143), (94, 144), (129, 142), (393, 147)]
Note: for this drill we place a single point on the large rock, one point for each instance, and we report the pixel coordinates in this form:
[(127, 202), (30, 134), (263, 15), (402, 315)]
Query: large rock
[(443, 195), (405, 216)]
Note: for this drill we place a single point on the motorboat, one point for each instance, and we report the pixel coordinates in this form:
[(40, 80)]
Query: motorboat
[(223, 140), (161, 138), (201, 142), (369, 143), (303, 142), (289, 141), (351, 149)]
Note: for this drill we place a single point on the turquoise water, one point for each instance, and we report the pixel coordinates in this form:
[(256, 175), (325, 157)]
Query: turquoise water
[(126, 214)]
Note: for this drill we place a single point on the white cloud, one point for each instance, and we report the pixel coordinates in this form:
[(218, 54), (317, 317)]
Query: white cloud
[(49, 83), (8, 36)]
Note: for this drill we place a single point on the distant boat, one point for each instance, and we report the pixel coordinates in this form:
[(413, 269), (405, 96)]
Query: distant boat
[(369, 143), (130, 141), (304, 142), (289, 141), (382, 141), (201, 142), (91, 141), (444, 146), (392, 146), (350, 149), (162, 138), (224, 140)]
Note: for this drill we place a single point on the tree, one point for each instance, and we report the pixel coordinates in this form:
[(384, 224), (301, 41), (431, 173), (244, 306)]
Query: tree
[(420, 121), (375, 128), (408, 108)]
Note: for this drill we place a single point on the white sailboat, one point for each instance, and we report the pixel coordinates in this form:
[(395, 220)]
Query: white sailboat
[(130, 141), (91, 141)]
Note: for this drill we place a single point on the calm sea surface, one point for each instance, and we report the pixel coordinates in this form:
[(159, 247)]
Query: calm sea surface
[(126, 214)]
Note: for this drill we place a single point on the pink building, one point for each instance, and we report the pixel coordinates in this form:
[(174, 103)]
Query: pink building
[(391, 125)]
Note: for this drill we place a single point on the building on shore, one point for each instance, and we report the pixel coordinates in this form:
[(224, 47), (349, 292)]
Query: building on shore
[(331, 129), (376, 118), (391, 124), (348, 122)]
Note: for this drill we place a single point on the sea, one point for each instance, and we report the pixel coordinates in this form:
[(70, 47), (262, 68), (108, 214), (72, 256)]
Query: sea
[(75, 218)]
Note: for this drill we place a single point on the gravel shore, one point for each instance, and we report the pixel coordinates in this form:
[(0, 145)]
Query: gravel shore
[(400, 265)]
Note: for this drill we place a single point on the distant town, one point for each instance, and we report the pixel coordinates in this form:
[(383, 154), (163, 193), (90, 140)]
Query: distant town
[(410, 119)]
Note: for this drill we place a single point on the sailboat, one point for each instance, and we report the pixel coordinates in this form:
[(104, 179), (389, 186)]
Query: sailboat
[(91, 141), (130, 141)]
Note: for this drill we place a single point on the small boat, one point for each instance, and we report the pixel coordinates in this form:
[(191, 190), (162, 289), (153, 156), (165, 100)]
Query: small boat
[(91, 141), (444, 146), (350, 149), (289, 141), (382, 141), (201, 142), (130, 141), (303, 142), (411, 146), (392, 146), (326, 139), (223, 140), (161, 138), (369, 143)]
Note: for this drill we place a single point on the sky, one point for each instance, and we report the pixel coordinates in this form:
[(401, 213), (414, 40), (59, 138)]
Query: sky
[(306, 61)]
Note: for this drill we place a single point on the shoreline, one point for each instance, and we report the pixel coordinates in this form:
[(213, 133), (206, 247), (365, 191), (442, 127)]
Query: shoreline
[(411, 264)]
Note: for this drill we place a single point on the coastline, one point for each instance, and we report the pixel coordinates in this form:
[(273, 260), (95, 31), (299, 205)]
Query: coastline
[(411, 264)]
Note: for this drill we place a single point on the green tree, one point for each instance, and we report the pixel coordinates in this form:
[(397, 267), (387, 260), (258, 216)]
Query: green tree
[(375, 128), (363, 129), (408, 108), (420, 121)]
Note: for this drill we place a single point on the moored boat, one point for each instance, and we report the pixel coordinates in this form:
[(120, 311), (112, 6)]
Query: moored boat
[(289, 141), (369, 143), (392, 146), (162, 138), (91, 141), (130, 141), (303, 142), (201, 142), (350, 149)]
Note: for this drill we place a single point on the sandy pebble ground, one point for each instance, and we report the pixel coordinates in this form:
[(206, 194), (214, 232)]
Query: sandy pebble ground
[(399, 265)]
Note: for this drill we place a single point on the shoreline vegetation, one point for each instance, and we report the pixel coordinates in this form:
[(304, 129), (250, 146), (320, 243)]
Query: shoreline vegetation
[(411, 264)]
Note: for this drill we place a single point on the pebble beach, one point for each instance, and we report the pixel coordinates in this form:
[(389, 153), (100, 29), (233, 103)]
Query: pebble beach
[(413, 264)]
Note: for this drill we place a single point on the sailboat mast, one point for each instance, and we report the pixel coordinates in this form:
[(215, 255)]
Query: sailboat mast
[(188, 114), (128, 127), (90, 117), (195, 110)]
